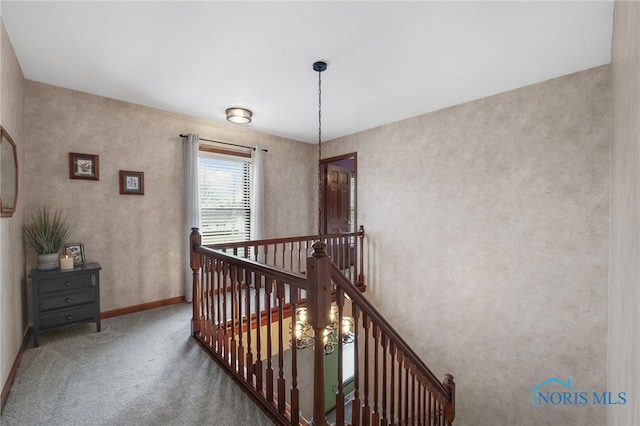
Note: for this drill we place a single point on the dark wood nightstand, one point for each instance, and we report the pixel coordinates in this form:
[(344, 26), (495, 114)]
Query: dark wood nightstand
[(64, 298)]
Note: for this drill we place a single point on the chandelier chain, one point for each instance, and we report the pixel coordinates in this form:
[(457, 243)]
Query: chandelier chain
[(319, 153)]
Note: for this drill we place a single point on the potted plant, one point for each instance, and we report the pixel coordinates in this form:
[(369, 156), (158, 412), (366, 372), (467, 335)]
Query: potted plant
[(46, 230)]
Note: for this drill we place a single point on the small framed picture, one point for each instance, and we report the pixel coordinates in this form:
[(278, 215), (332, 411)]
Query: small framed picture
[(131, 182), (76, 250), (83, 166)]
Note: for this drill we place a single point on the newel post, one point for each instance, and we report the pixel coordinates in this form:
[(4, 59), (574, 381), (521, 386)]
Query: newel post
[(361, 255), (318, 306), (450, 408), (195, 260)]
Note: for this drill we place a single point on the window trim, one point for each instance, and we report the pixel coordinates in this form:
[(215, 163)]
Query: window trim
[(222, 151)]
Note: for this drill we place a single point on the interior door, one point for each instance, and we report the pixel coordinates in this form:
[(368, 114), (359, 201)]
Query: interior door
[(338, 203)]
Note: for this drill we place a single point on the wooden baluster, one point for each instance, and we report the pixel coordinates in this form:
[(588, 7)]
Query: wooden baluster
[(202, 297), (247, 304), (413, 394), (375, 419), (291, 261), (258, 364), (346, 247), (267, 298), (406, 390), (225, 310), (434, 409), (340, 394), (361, 269), (214, 307), (210, 300), (221, 295), (233, 281), (275, 254), (400, 358), (425, 404), (281, 380), (214, 280), (241, 284), (334, 248), (426, 411), (295, 392), (355, 405), (392, 353), (384, 380), (419, 408), (366, 409)]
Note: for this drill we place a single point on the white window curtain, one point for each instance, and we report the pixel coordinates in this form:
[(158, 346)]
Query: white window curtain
[(257, 194), (192, 199)]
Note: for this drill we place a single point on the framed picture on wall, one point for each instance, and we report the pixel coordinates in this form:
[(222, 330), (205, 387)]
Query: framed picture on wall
[(75, 250), (83, 166), (131, 183)]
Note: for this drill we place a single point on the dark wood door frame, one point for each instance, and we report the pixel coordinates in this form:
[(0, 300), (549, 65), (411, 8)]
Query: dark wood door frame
[(341, 159)]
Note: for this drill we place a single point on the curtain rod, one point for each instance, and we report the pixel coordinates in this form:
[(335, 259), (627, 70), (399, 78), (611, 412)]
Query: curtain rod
[(226, 143)]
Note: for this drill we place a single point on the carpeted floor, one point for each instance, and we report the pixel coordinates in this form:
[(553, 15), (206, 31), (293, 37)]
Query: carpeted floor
[(141, 369)]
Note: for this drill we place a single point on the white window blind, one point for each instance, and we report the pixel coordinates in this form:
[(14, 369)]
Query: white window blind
[(224, 198)]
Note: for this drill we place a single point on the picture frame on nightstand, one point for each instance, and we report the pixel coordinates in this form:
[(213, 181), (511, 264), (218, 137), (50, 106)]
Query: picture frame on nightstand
[(77, 251)]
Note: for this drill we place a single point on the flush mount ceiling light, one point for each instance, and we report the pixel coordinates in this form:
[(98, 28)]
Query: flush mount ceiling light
[(239, 115)]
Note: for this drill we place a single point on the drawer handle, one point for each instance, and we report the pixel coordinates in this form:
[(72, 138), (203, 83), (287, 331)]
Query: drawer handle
[(68, 283), (68, 300), (69, 317)]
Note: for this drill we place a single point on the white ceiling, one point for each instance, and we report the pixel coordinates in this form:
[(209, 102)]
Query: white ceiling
[(387, 60)]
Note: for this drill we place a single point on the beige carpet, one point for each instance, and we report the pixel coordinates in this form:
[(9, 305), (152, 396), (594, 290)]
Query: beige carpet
[(141, 369)]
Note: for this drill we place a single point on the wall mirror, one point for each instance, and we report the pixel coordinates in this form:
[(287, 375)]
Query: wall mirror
[(8, 175)]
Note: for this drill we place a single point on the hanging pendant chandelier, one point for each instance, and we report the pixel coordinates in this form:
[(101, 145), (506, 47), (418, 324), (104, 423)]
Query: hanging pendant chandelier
[(300, 330), (332, 335)]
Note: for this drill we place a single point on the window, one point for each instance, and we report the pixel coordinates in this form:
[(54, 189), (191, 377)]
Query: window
[(224, 198)]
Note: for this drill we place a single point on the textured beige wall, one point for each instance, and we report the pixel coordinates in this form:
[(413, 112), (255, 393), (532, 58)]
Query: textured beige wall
[(13, 317), (138, 240), (624, 293), (487, 242)]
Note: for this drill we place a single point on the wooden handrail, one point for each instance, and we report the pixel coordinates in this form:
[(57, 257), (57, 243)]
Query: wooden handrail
[(254, 243)]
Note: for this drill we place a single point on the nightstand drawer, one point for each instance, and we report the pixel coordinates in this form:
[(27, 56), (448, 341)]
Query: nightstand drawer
[(64, 298), (66, 283), (68, 316), (67, 299)]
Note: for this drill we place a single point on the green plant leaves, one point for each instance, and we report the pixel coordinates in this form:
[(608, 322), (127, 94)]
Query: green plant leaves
[(46, 230)]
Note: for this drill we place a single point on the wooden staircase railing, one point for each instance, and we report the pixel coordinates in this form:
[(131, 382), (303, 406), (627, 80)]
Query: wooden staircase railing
[(394, 385), (291, 253), (243, 316)]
